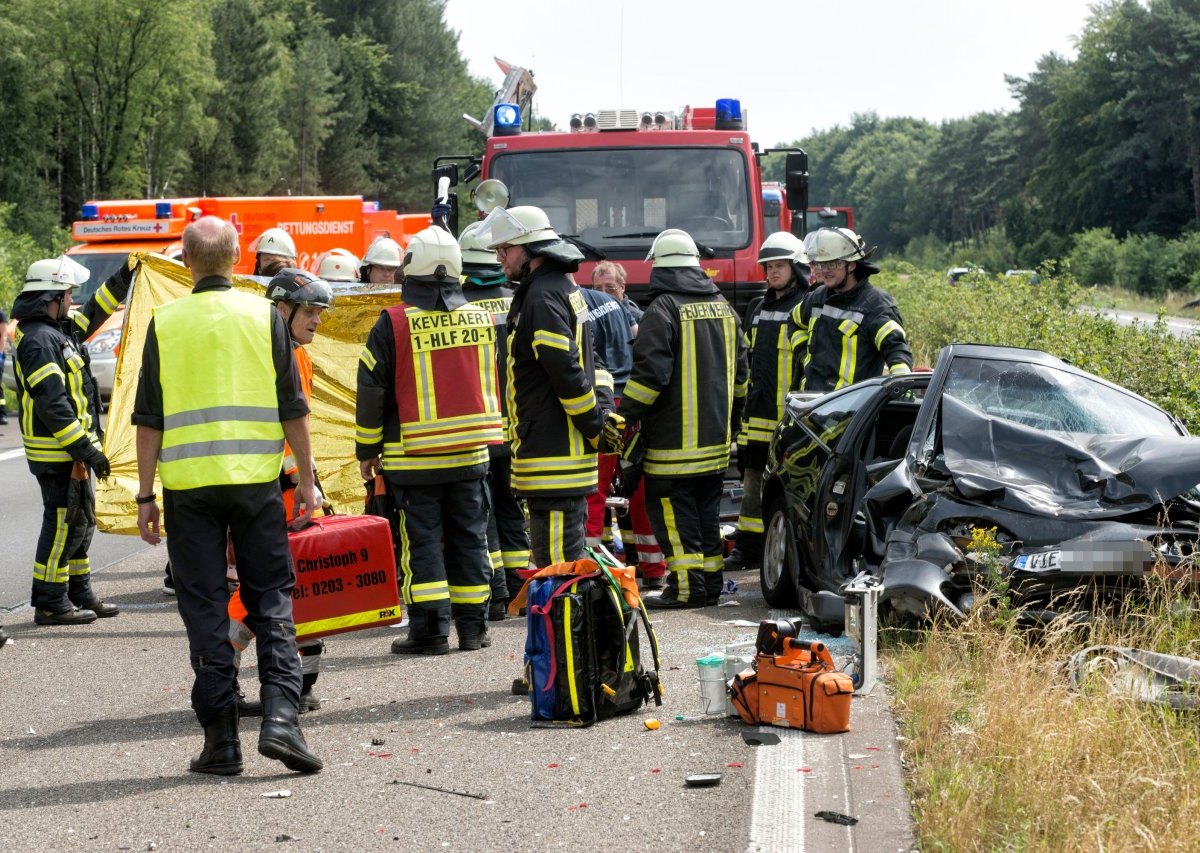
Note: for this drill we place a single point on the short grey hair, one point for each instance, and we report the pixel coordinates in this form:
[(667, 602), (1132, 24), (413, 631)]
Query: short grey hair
[(211, 246)]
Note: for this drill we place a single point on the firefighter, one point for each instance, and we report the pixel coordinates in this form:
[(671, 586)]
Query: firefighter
[(301, 299), (785, 267), (556, 411), (381, 262), (428, 399), (217, 446), (687, 388), (847, 330), (273, 250), (338, 265), (508, 544), (60, 426)]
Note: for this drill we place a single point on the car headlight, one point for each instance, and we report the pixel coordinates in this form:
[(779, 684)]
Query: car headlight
[(104, 343)]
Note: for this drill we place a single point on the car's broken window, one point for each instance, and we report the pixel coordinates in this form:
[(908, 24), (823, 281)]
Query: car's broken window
[(1050, 399)]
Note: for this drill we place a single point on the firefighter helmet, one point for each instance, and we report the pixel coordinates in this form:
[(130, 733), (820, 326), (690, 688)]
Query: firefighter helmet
[(674, 248), (384, 252), (782, 246), (299, 287), (338, 265), (433, 254), (517, 226), (835, 244), (474, 249), (61, 273), (274, 241)]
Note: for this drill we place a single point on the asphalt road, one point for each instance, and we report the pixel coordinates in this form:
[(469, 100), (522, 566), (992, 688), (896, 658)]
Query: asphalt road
[(1177, 326), (96, 732)]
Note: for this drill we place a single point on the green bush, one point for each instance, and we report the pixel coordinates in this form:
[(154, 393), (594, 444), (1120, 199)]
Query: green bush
[(17, 252), (1093, 258)]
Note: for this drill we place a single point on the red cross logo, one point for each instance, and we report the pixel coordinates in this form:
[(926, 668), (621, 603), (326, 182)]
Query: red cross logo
[(157, 227)]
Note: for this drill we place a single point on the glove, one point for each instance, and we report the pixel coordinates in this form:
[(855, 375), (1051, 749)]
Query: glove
[(612, 433), (98, 462), (899, 369), (441, 211)]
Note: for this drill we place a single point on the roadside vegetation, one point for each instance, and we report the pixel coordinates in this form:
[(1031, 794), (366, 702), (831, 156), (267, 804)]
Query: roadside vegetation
[(1000, 753)]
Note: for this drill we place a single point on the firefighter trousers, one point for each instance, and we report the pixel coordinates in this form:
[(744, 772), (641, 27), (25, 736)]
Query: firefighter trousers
[(442, 554), (556, 529), (685, 513), (201, 521), (508, 544), (750, 520), (63, 542)]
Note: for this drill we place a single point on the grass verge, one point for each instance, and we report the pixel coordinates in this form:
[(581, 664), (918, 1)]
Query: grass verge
[(1002, 755)]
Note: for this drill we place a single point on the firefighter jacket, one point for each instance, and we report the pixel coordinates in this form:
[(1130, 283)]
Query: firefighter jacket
[(689, 375), (843, 338), (56, 393), (487, 292), (427, 389), (772, 363), (220, 407), (611, 337), (553, 403)]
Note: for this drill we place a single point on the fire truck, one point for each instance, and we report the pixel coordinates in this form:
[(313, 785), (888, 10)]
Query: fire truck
[(779, 217), (616, 178), (109, 230)]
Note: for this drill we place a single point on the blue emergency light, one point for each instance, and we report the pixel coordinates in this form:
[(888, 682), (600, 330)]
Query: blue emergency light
[(506, 120), (162, 210), (91, 212), (729, 114)]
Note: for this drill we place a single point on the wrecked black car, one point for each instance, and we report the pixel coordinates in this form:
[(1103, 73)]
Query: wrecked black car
[(1078, 485)]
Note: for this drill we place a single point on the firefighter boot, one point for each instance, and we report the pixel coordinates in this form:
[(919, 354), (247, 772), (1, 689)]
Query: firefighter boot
[(714, 582), (280, 736), (310, 670), (684, 589), (428, 634), (3, 637), (52, 607), (471, 628), (222, 753), (246, 706), (746, 554), (497, 610), (81, 594)]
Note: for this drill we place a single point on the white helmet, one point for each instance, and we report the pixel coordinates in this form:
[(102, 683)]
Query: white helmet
[(433, 254), (782, 246), (835, 244), (61, 273), (338, 265), (384, 252), (474, 249), (274, 241), (674, 248), (516, 226)]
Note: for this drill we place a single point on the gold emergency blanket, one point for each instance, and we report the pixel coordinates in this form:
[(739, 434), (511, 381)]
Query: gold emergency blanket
[(334, 351)]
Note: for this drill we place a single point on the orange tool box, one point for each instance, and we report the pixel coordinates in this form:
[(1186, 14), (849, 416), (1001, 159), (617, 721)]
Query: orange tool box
[(345, 576)]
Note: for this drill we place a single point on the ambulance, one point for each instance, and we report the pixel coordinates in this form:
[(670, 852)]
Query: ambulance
[(109, 230)]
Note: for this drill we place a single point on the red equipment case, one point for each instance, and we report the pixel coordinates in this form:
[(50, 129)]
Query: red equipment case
[(345, 576)]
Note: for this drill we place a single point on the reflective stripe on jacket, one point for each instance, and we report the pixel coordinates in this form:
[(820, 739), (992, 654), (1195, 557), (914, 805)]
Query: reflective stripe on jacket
[(772, 363), (220, 409)]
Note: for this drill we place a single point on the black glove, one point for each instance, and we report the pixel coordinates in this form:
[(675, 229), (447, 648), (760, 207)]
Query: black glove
[(441, 211), (98, 462)]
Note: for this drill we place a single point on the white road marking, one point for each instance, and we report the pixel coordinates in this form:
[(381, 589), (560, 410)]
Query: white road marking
[(777, 814), (18, 453)]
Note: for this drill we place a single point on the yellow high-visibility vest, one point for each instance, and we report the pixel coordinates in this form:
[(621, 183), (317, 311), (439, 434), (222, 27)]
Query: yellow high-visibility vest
[(220, 409)]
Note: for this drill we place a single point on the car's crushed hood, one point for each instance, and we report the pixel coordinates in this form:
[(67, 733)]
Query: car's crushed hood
[(1002, 463)]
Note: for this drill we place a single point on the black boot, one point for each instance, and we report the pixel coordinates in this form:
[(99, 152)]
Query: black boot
[(51, 606), (3, 637), (79, 591), (746, 554), (472, 635), (428, 634), (246, 706), (280, 737), (222, 753), (714, 582), (671, 599), (497, 610)]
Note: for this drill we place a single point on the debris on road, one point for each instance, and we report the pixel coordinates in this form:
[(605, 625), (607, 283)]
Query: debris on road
[(376, 741), (837, 817), (652, 724), (283, 836), (759, 738), (702, 780), (440, 789), (277, 795)]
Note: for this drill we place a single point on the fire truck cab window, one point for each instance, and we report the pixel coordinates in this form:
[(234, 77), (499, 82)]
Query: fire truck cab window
[(619, 200)]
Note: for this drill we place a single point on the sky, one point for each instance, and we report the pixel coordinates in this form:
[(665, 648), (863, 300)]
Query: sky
[(796, 66)]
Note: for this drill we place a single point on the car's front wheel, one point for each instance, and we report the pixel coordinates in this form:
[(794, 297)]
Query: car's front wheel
[(779, 562)]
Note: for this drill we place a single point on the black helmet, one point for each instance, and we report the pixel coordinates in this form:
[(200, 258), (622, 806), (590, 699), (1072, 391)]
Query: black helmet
[(299, 287)]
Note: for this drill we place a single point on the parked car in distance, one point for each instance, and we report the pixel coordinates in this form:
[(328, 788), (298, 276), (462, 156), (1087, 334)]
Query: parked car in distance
[(1028, 276), (954, 274), (1084, 487)]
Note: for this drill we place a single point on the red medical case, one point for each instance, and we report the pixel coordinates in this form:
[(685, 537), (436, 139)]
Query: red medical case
[(345, 576)]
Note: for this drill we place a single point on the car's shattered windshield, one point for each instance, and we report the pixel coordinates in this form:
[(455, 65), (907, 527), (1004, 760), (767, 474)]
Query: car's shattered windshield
[(1049, 399)]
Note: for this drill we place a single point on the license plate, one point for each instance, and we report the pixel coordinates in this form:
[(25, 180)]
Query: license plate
[(1040, 562)]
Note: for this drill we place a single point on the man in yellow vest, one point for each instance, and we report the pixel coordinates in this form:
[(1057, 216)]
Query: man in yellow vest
[(217, 394), (428, 398)]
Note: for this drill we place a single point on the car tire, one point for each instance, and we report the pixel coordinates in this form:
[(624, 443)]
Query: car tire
[(779, 568)]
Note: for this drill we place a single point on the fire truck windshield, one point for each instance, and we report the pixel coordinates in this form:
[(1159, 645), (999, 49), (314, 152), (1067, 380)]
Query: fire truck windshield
[(621, 198)]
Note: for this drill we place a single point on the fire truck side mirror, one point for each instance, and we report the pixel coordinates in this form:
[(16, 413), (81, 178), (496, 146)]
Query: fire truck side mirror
[(796, 180)]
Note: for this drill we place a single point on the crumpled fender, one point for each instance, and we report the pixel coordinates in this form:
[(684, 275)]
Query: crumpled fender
[(917, 581)]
